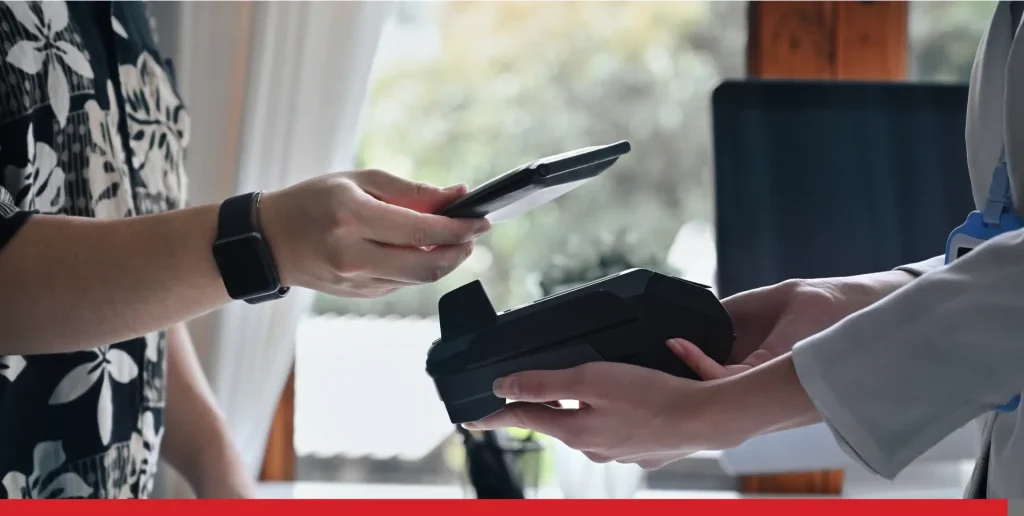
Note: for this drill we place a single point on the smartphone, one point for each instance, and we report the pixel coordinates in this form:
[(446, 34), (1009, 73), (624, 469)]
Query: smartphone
[(534, 184)]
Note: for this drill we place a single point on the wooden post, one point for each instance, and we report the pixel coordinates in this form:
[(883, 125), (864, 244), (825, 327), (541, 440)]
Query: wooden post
[(827, 40), (279, 459), (840, 40)]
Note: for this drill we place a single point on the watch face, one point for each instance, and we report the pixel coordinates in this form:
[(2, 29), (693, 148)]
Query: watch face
[(243, 265)]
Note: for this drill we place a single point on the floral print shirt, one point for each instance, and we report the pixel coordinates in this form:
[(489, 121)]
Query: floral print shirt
[(90, 126)]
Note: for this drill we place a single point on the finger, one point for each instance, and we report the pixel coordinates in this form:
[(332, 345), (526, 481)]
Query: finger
[(705, 367), (559, 384), (663, 456), (360, 293), (597, 457), (557, 423), (415, 265), (755, 359), (402, 227), (375, 283), (414, 195), (652, 464)]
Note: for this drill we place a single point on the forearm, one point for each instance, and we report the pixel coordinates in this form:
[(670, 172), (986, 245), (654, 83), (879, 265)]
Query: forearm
[(198, 443), (105, 280), (862, 291), (765, 399)]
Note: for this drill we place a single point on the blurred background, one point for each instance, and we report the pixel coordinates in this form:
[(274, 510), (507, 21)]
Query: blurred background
[(458, 92), (453, 78)]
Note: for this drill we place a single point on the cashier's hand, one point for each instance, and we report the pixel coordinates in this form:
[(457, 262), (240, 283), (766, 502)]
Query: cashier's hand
[(365, 233), (769, 321), (627, 413), (630, 414)]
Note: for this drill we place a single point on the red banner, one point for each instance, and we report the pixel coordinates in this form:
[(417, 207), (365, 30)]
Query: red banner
[(506, 507)]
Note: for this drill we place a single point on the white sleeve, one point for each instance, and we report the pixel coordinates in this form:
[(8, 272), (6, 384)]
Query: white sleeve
[(893, 380)]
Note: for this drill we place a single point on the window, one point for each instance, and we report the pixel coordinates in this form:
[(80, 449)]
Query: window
[(463, 91), (944, 38)]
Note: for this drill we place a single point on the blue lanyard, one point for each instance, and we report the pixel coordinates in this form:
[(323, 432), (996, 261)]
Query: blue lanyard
[(996, 217), (1000, 197)]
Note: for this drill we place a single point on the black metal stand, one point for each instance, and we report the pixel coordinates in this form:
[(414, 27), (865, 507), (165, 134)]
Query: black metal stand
[(495, 470)]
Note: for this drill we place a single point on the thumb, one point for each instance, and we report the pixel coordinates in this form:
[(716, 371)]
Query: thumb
[(435, 200), (705, 367), (416, 196)]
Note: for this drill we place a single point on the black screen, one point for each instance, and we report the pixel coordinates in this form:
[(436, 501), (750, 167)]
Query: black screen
[(827, 179)]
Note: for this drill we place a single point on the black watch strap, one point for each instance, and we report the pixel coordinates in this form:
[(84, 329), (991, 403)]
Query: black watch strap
[(239, 215)]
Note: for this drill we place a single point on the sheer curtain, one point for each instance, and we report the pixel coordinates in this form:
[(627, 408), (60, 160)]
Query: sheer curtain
[(275, 91)]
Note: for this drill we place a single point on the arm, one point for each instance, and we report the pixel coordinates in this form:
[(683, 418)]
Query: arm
[(198, 443), (105, 281), (894, 379), (347, 234)]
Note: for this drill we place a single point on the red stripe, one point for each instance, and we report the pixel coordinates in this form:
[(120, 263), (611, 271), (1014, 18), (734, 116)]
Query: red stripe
[(507, 508)]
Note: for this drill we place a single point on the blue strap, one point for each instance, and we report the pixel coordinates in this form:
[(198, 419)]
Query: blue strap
[(1010, 406), (1000, 197)]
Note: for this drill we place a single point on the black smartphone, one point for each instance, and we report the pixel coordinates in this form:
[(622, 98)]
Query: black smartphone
[(536, 183)]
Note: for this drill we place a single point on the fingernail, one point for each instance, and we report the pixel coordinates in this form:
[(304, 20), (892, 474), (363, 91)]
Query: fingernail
[(505, 387), (677, 345), (453, 188), (470, 426), (481, 227)]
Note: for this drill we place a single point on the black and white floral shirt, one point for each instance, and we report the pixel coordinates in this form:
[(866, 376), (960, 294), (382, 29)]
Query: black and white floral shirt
[(90, 126)]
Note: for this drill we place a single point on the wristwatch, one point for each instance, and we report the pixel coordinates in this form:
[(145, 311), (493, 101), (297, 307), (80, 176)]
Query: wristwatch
[(242, 253)]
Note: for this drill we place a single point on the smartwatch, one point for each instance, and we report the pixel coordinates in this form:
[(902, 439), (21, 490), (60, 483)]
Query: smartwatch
[(242, 254)]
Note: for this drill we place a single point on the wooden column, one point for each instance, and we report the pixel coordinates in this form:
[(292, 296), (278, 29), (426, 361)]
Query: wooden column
[(841, 40), (827, 40), (279, 460)]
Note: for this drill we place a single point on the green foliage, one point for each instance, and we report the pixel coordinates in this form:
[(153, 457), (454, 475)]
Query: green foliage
[(514, 81), (579, 265), (944, 38)]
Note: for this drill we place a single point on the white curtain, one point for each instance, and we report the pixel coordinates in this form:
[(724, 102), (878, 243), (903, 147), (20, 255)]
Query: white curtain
[(275, 91)]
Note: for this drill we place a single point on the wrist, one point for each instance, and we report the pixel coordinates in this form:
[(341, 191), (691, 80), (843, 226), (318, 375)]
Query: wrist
[(854, 293), (243, 252), (766, 399), (273, 218)]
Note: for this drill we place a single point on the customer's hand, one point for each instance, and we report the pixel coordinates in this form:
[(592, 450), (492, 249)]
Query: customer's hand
[(365, 233), (769, 321)]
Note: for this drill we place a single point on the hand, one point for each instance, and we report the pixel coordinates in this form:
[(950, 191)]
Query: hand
[(636, 415), (769, 321), (627, 413), (630, 414), (365, 233)]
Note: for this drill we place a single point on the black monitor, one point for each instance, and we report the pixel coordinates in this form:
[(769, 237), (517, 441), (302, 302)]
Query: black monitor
[(818, 179)]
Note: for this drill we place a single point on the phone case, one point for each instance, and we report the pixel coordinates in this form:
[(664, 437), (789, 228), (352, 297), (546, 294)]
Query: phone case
[(536, 183)]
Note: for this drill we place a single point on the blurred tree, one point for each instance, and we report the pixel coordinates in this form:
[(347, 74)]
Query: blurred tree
[(944, 38), (514, 81)]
